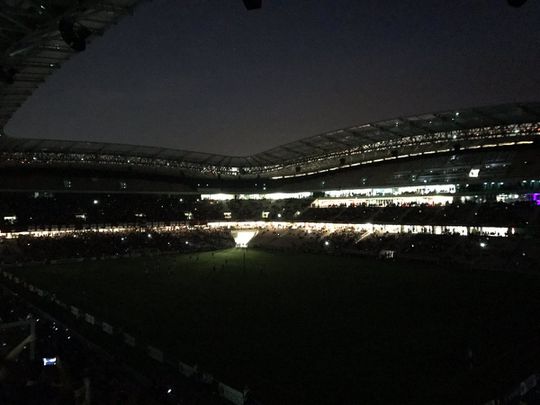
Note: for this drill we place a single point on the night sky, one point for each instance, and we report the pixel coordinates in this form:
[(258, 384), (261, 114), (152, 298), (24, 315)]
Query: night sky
[(207, 75)]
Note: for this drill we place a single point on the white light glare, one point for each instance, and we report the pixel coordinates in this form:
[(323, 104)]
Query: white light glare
[(242, 238)]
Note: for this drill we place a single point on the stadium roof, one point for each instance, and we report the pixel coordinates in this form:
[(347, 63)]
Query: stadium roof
[(32, 47), (319, 145), (401, 127)]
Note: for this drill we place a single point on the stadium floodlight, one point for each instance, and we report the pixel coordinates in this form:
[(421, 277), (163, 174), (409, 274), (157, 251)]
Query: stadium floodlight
[(516, 3), (253, 4)]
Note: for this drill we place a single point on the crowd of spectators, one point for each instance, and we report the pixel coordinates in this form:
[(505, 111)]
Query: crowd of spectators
[(513, 252), (517, 214), (473, 251), (23, 211), (106, 244)]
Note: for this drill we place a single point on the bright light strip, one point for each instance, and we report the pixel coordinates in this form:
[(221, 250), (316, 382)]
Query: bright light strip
[(266, 196), (366, 227), (217, 197), (274, 196)]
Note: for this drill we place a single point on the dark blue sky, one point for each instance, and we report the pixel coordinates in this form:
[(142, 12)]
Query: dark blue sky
[(207, 75)]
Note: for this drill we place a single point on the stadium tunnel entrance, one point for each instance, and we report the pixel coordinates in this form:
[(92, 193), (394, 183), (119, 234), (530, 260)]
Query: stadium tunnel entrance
[(243, 236)]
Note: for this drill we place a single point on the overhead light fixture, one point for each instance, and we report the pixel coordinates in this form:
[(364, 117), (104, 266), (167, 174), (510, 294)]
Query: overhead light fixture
[(516, 3), (73, 33), (253, 4)]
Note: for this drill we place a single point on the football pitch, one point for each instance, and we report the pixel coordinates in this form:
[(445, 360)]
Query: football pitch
[(305, 328)]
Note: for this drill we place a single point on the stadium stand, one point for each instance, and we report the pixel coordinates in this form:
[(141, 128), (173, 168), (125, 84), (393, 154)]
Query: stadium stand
[(25, 211), (458, 188), (107, 244), (518, 214), (507, 254)]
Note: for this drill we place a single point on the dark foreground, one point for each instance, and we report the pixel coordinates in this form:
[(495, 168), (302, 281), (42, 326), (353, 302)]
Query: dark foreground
[(305, 329)]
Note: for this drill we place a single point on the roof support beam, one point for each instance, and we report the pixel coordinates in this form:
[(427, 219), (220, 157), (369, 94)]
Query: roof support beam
[(312, 145), (220, 161), (385, 130), (363, 136), (30, 80), (338, 141), (56, 49), (269, 154), (258, 157), (288, 149), (210, 156)]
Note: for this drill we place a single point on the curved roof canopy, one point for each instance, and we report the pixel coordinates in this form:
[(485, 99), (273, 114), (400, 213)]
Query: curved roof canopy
[(32, 46), (381, 132), (402, 127)]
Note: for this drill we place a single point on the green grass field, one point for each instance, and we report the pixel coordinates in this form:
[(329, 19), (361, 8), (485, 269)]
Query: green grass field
[(302, 328)]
